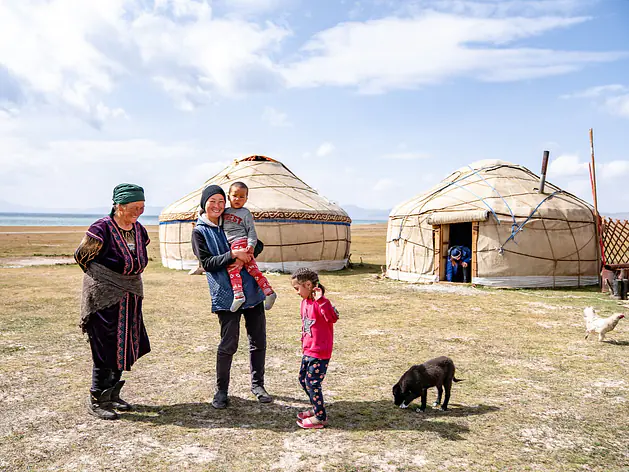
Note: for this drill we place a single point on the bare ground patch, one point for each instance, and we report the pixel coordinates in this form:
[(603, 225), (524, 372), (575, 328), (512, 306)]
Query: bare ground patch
[(21, 262), (536, 396)]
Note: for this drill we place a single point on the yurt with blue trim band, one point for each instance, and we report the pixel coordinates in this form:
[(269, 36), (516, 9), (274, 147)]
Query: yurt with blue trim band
[(299, 227), (517, 234)]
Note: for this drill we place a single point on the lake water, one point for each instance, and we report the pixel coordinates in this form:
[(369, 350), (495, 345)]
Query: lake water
[(59, 219)]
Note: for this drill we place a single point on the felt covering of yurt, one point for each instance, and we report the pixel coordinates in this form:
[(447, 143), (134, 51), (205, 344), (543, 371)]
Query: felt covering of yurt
[(298, 226), (520, 237)]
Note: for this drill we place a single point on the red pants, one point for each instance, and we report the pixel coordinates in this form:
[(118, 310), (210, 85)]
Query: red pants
[(252, 268)]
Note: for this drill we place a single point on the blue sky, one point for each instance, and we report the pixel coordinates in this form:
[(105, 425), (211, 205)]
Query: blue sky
[(370, 102)]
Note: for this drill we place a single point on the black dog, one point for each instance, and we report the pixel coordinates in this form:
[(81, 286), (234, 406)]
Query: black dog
[(438, 372)]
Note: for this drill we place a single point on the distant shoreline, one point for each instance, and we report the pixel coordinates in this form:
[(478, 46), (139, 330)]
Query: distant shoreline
[(75, 220), (16, 229)]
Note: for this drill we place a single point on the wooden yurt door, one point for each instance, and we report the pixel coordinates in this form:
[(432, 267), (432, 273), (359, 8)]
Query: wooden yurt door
[(456, 234), (441, 243)]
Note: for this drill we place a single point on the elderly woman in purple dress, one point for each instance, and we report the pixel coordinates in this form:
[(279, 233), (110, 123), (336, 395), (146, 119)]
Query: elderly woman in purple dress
[(113, 256)]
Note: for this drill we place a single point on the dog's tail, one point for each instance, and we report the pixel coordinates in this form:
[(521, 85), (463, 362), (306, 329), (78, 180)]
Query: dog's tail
[(457, 380)]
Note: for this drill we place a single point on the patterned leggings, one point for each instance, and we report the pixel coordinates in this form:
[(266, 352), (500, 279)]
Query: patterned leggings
[(311, 374), (252, 268)]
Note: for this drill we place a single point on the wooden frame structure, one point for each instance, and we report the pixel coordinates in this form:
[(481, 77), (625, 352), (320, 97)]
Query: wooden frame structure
[(616, 241), (441, 244)]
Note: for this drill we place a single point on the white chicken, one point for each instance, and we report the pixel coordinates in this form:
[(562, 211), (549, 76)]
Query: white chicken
[(596, 324)]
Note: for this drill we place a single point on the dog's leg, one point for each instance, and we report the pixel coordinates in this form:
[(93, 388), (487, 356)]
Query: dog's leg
[(587, 334), (601, 337), (439, 392), (447, 385), (423, 398)]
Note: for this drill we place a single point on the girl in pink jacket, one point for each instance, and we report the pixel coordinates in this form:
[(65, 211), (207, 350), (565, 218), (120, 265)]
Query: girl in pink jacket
[(318, 316)]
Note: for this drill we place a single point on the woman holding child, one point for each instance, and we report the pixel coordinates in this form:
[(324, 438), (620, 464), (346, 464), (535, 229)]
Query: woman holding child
[(210, 245)]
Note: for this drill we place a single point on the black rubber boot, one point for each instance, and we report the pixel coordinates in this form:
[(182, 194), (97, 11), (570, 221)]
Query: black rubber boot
[(117, 402), (221, 400), (261, 394), (99, 404)]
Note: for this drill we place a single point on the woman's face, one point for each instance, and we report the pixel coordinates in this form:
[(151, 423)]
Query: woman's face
[(214, 207), (130, 212)]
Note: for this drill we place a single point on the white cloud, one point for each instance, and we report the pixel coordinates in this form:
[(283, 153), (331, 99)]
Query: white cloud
[(406, 156), (569, 166), (579, 187), (614, 169), (54, 60), (276, 118), (325, 149), (390, 53), (566, 165), (227, 56), (254, 6), (82, 50), (187, 97), (72, 53), (356, 10), (198, 174), (384, 185), (498, 8), (618, 105), (97, 165), (613, 98), (594, 92)]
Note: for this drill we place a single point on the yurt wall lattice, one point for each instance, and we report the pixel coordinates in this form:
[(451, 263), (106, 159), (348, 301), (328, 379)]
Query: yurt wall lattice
[(616, 241)]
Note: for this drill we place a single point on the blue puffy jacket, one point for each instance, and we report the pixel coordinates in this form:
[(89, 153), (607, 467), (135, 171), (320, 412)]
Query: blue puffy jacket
[(218, 280)]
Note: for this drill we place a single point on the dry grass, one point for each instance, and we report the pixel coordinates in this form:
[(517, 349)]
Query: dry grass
[(536, 396)]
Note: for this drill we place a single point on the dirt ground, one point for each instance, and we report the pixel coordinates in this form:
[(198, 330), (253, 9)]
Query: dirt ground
[(536, 395)]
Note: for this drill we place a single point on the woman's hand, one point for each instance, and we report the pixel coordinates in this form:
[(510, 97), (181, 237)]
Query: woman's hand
[(241, 255), (238, 264)]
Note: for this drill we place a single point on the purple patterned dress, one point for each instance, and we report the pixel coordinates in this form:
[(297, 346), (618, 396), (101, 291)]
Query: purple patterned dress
[(117, 334)]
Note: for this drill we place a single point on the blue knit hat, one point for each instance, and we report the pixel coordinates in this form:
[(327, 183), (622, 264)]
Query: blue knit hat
[(208, 192), (456, 253)]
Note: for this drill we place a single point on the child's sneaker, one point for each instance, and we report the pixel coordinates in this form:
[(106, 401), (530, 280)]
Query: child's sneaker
[(239, 299), (270, 301), (302, 415), (312, 423)]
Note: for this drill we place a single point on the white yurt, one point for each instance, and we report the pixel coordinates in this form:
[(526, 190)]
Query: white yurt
[(518, 236), (298, 226)]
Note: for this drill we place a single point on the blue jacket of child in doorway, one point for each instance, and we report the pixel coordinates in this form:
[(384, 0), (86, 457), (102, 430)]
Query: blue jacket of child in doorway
[(459, 258)]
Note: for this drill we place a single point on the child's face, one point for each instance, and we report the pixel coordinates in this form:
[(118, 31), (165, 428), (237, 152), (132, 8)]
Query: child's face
[(237, 197), (304, 290)]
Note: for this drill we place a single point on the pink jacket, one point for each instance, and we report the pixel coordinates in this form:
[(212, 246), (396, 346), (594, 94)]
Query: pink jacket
[(317, 327)]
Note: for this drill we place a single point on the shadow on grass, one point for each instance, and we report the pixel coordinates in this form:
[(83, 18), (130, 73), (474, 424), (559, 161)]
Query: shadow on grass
[(278, 416), (617, 343)]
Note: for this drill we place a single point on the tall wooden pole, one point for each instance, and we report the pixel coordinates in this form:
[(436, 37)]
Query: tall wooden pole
[(599, 234), (593, 170)]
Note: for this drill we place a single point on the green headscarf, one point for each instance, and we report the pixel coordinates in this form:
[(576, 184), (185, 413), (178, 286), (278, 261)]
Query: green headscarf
[(128, 193)]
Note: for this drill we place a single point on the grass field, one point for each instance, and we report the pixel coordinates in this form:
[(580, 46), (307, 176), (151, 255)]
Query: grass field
[(536, 395)]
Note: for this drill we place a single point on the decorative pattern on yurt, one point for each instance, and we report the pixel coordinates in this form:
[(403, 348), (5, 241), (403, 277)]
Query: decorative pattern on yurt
[(518, 236), (298, 226)]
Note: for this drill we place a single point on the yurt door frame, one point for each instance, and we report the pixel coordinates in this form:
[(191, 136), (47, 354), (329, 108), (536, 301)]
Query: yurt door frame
[(441, 244)]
